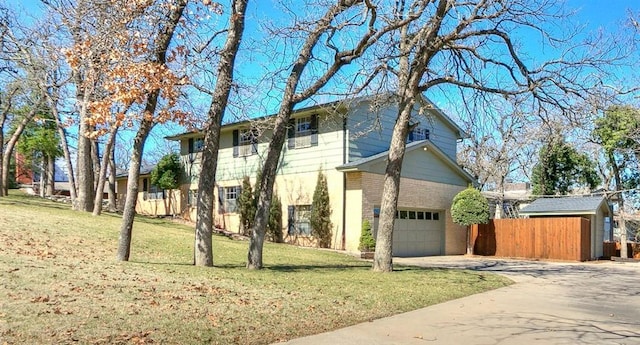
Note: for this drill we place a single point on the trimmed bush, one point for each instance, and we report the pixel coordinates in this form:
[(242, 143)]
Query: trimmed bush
[(367, 242), (321, 213)]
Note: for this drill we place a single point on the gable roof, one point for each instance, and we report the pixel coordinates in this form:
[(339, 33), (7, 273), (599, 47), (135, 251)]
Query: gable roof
[(144, 170), (565, 206), (345, 103), (359, 164)]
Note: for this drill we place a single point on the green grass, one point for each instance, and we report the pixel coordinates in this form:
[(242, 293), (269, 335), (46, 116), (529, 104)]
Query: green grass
[(60, 283)]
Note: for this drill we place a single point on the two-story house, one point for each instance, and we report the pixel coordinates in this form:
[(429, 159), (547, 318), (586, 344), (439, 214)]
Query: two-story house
[(348, 142)]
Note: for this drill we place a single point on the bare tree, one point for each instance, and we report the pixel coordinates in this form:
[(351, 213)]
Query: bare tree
[(203, 251), (497, 148), (21, 98), (167, 24), (473, 47), (336, 20)]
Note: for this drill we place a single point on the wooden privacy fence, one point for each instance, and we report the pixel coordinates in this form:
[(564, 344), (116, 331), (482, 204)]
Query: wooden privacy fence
[(565, 238)]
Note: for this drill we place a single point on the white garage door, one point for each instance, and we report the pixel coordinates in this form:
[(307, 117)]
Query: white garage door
[(418, 233)]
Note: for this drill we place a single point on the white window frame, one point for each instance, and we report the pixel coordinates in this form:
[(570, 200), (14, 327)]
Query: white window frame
[(155, 193), (198, 144), (303, 220), (245, 142), (420, 133), (303, 132), (230, 199)]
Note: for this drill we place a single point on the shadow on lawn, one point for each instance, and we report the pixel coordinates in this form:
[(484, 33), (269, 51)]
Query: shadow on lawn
[(36, 201), (295, 268)]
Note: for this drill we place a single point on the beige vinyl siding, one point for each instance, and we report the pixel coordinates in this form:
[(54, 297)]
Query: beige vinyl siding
[(327, 154), (424, 165)]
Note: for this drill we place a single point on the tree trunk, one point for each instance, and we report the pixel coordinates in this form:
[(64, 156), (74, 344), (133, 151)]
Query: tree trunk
[(52, 102), (113, 202), (84, 163), (469, 244), (10, 145), (95, 161), (43, 174), (619, 187), (382, 259), (97, 203), (2, 189), (51, 176), (289, 99), (146, 125), (203, 246), (624, 253), (129, 212)]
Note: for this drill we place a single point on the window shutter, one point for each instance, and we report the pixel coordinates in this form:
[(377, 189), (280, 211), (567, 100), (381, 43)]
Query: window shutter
[(291, 134), (427, 132), (236, 149), (291, 220), (254, 141), (190, 145), (221, 200), (314, 130)]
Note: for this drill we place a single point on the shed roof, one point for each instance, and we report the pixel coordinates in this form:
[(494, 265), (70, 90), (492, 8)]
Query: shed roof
[(565, 206)]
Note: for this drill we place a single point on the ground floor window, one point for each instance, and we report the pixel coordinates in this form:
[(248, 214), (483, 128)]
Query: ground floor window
[(155, 193), (228, 199), (299, 220)]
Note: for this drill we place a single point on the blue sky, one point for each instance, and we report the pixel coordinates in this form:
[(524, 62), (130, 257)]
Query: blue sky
[(609, 16)]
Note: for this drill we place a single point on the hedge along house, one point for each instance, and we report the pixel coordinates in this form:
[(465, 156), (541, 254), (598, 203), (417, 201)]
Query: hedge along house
[(348, 141), (594, 208)]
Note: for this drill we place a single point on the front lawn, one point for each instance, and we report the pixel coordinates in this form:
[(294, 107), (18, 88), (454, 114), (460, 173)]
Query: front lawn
[(60, 283)]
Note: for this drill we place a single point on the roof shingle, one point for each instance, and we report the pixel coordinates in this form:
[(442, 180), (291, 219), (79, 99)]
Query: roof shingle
[(564, 205)]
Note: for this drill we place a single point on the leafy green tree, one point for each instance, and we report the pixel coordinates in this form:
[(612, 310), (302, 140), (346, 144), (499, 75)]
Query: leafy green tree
[(617, 133), (246, 206), (561, 168), (470, 207), (274, 227), (40, 146), (166, 173), (321, 213), (367, 242)]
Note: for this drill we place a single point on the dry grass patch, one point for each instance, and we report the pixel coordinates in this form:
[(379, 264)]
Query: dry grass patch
[(60, 283)]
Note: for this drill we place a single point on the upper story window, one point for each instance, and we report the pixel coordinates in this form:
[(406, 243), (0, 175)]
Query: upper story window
[(418, 133), (303, 132), (245, 142), (196, 145)]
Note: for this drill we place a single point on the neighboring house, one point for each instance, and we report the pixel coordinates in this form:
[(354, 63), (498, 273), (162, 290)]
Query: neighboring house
[(348, 142), (152, 200), (515, 196), (594, 208)]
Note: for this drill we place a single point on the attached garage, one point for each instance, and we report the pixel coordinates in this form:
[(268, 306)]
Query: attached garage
[(417, 232)]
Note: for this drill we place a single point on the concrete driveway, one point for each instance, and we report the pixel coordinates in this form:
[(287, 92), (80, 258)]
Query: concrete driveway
[(551, 303)]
